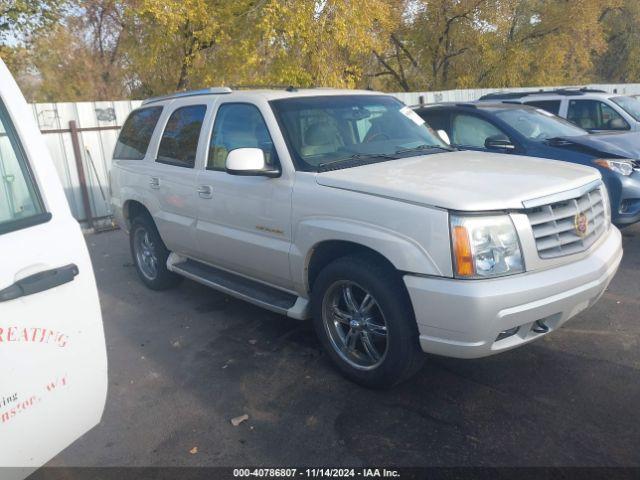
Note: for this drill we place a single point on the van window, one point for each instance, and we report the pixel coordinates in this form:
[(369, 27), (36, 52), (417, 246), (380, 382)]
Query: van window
[(136, 134), (551, 106), (239, 125), (595, 115), (20, 203), (179, 142)]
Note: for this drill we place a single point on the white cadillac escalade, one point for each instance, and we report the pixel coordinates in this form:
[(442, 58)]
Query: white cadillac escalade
[(342, 206)]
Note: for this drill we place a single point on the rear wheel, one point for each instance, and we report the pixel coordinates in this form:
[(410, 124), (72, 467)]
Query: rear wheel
[(365, 321), (150, 255)]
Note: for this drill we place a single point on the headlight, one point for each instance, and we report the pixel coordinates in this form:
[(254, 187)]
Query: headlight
[(623, 167), (485, 246)]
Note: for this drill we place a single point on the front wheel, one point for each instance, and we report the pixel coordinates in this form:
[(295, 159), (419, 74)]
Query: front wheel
[(365, 321)]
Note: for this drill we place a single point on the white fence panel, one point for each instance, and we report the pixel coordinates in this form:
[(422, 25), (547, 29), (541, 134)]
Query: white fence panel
[(98, 126)]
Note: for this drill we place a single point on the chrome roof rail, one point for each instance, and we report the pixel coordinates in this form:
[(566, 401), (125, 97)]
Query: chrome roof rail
[(191, 93)]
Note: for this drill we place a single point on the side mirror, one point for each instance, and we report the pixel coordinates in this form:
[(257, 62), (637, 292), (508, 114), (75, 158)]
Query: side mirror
[(445, 138), (499, 142), (249, 162)]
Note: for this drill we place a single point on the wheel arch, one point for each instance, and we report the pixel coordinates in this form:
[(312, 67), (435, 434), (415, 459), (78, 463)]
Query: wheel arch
[(328, 251), (133, 208), (319, 241)]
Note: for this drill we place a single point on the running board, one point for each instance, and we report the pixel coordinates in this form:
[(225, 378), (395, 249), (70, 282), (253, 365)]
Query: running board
[(257, 293)]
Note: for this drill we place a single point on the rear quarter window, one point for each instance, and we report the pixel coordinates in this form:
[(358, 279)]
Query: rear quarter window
[(136, 134), (551, 106)]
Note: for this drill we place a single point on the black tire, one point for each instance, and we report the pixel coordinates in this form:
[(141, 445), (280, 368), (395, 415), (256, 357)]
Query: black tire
[(402, 356), (163, 279)]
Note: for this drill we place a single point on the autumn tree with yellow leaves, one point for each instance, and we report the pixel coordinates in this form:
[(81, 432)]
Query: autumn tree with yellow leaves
[(105, 49)]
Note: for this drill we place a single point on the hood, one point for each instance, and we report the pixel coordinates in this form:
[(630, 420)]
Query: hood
[(467, 181), (607, 145)]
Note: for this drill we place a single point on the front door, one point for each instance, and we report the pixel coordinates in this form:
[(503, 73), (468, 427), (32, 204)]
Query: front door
[(244, 223)]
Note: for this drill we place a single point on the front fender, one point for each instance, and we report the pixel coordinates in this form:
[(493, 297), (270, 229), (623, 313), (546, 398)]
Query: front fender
[(405, 253)]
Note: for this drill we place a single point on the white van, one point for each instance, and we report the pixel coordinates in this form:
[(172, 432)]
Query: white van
[(53, 362)]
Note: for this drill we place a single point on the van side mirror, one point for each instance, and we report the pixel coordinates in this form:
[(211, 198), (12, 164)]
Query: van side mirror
[(249, 162), (499, 142)]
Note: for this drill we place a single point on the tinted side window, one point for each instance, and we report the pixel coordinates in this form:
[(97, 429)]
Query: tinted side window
[(239, 125), (436, 119), (595, 115), (471, 131), (179, 141), (551, 106), (20, 204), (136, 134)]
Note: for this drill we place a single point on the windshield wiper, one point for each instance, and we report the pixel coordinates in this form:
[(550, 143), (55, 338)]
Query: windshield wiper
[(558, 141), (354, 160), (424, 147)]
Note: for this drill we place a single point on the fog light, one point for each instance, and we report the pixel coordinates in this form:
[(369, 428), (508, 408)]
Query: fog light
[(624, 206), (539, 327), (507, 333)]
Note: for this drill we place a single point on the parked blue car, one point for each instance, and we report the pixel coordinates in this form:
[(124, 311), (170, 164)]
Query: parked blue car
[(522, 130)]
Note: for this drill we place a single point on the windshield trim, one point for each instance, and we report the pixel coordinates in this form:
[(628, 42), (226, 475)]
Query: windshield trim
[(349, 162)]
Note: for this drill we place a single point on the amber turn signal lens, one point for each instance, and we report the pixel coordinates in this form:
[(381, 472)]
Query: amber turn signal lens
[(462, 252)]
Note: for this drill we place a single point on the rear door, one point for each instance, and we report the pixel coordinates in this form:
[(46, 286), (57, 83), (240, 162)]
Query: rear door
[(174, 176), (53, 375)]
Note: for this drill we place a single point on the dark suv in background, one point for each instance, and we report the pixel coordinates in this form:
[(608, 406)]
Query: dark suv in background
[(523, 130)]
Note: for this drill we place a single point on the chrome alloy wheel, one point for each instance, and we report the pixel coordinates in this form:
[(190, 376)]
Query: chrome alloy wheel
[(145, 254), (355, 325)]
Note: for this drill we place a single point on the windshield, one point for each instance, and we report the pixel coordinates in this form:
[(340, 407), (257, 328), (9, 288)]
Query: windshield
[(347, 129), (630, 105), (538, 124)]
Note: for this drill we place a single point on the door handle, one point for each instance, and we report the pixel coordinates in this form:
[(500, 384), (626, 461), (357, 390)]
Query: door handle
[(154, 182), (205, 191), (39, 282)]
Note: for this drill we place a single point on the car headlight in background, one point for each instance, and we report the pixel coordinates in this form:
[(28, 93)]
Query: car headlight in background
[(621, 166), (485, 246)]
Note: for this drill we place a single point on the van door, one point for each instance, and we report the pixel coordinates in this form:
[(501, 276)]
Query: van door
[(53, 364)]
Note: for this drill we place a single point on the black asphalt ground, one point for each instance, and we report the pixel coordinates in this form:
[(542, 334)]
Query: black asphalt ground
[(183, 363)]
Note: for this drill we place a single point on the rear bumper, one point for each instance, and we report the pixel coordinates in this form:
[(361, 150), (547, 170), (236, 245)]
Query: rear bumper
[(463, 318)]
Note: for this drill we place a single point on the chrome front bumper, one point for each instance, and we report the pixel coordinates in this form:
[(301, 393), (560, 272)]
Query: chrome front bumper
[(463, 318)]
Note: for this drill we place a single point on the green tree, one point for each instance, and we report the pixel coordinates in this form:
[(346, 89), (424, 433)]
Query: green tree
[(81, 57), (621, 60), (20, 17)]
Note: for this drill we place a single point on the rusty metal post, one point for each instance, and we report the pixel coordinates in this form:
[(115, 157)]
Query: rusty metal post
[(77, 153)]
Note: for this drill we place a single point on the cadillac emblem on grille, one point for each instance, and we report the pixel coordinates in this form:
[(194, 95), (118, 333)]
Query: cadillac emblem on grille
[(581, 224)]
